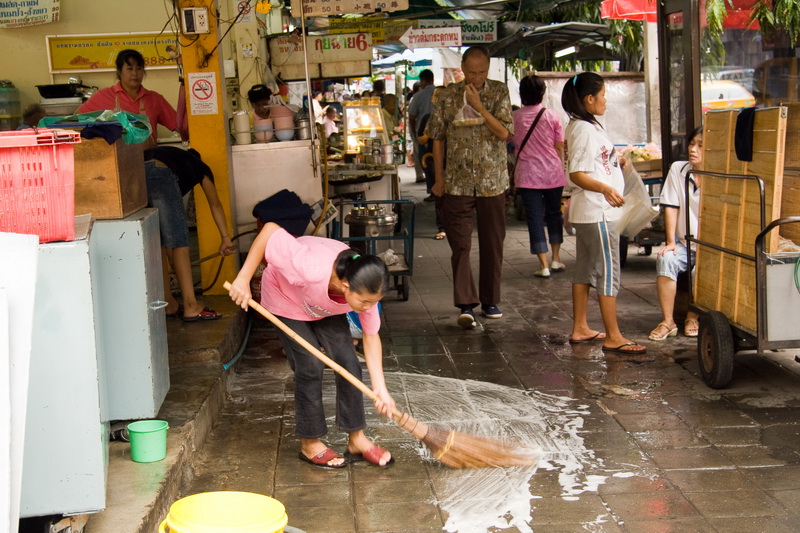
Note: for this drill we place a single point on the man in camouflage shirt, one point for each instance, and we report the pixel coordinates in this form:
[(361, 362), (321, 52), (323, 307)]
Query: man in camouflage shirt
[(475, 179)]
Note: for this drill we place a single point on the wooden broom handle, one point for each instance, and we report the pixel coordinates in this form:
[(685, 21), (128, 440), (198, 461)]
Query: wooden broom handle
[(357, 383)]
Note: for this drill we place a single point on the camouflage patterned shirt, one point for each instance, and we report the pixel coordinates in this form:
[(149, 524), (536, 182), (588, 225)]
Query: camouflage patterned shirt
[(476, 158)]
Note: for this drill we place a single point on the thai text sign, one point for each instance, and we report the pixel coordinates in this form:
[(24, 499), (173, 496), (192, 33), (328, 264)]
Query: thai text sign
[(21, 13), (383, 31), (472, 31), (74, 53), (326, 8), (322, 48), (431, 37)]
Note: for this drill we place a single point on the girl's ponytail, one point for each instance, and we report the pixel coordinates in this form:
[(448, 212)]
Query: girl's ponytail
[(364, 273), (575, 90)]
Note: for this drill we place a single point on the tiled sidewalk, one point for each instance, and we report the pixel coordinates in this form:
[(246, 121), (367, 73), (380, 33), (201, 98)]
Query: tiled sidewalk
[(635, 447)]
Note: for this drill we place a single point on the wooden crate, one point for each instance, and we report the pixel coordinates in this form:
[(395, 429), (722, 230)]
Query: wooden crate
[(790, 204), (729, 211), (109, 179)]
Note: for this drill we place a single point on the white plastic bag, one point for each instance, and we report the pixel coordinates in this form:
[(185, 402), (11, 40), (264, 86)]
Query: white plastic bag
[(637, 211), (467, 116)]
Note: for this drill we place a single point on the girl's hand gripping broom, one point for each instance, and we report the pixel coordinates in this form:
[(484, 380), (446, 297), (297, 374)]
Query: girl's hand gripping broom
[(456, 450)]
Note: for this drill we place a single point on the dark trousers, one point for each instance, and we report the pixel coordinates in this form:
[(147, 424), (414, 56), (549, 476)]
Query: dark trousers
[(458, 214), (543, 209), (333, 335)]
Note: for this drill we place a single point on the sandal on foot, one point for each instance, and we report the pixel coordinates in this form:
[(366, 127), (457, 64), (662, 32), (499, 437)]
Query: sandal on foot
[(440, 236), (691, 327), (669, 332), (621, 349), (599, 336), (372, 456), (323, 459), (205, 314)]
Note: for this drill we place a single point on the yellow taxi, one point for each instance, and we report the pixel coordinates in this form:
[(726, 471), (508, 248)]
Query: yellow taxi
[(725, 94)]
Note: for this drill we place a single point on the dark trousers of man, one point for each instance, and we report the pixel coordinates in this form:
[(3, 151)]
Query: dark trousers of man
[(458, 215)]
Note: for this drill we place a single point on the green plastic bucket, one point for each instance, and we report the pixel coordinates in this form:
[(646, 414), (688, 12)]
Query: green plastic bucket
[(148, 440)]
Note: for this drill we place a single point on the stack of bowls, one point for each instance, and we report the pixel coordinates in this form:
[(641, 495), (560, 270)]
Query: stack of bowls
[(283, 122), (262, 128)]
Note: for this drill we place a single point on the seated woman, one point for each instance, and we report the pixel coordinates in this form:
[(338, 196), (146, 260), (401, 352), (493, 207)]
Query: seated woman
[(673, 258)]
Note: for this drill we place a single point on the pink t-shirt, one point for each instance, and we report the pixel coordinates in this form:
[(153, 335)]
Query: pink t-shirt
[(295, 282), (148, 103), (539, 166)]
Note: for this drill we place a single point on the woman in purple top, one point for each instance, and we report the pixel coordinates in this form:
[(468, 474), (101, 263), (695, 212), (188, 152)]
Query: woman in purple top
[(539, 174)]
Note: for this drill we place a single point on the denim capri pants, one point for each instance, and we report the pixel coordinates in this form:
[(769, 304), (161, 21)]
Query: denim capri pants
[(164, 194), (670, 265)]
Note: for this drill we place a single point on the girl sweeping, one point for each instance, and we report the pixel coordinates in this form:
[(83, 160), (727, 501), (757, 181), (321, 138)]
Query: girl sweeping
[(595, 168), (311, 283)]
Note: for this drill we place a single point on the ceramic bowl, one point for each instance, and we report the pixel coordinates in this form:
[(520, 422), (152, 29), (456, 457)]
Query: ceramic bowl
[(284, 135)]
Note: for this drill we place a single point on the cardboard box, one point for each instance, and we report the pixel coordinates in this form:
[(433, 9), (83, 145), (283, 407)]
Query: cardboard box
[(109, 179)]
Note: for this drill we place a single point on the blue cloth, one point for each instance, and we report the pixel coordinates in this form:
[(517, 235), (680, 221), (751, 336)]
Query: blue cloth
[(164, 194), (543, 209)]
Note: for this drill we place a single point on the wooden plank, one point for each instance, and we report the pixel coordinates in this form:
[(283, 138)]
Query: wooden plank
[(792, 158), (790, 204), (730, 213)]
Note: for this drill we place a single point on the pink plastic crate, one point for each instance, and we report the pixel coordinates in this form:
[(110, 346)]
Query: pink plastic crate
[(37, 183)]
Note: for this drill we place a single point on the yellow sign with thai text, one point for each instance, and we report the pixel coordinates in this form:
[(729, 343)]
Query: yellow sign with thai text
[(77, 53)]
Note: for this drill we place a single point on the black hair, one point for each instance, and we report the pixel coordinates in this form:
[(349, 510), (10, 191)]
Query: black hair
[(692, 134), (314, 94), (33, 113), (258, 93), (364, 273), (531, 90), (472, 50), (426, 75), (575, 90), (379, 85), (127, 57)]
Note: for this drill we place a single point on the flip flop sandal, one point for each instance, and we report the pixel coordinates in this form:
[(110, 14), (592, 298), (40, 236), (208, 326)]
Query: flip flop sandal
[(620, 349), (321, 460), (691, 327), (372, 456), (177, 313), (205, 314), (440, 236), (596, 337), (655, 336)]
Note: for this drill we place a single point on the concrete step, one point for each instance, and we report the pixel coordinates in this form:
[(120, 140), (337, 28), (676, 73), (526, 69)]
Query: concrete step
[(139, 494)]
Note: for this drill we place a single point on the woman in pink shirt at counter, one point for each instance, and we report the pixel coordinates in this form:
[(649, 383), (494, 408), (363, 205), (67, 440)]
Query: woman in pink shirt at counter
[(128, 94), (311, 283)]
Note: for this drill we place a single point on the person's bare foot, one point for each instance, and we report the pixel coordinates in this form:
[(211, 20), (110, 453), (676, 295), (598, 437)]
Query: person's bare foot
[(360, 445), (311, 448)]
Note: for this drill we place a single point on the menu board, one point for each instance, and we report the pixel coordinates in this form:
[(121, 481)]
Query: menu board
[(327, 8)]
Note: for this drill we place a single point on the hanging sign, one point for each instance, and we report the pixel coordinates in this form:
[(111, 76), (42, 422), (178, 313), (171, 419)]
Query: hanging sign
[(203, 93), (431, 37), (383, 31), (346, 55), (22, 13), (472, 31), (75, 53), (327, 8)]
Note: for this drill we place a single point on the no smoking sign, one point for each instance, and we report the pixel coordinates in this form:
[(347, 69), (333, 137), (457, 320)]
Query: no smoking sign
[(202, 93)]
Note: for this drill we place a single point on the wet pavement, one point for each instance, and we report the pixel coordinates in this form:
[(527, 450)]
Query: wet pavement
[(633, 446)]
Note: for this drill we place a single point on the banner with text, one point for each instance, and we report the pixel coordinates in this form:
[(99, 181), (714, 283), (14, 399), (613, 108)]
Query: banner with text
[(472, 31), (327, 8), (22, 13), (329, 56), (383, 31), (75, 53)]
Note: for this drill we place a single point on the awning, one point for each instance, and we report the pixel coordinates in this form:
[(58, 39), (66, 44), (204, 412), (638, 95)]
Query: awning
[(629, 10), (543, 41)]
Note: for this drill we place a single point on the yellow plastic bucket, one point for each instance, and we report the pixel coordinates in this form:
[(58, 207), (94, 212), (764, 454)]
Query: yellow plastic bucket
[(225, 512)]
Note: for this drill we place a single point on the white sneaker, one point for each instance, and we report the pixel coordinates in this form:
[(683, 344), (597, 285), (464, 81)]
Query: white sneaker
[(543, 273), (557, 266)]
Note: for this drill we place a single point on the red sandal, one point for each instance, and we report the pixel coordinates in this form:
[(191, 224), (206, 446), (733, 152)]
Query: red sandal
[(322, 459), (205, 314), (372, 456)]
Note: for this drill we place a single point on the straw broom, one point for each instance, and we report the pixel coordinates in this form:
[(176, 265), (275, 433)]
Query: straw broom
[(453, 448)]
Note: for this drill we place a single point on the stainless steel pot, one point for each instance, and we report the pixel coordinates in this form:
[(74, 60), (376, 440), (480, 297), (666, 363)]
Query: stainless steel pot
[(303, 129)]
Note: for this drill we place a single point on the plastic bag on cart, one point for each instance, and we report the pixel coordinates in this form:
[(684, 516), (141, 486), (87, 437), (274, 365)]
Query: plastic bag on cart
[(638, 210)]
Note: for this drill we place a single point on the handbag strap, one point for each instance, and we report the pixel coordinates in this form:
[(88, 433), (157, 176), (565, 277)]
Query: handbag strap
[(533, 126)]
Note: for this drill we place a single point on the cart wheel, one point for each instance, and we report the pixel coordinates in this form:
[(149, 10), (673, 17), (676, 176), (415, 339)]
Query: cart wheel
[(403, 289), (715, 350), (648, 249), (623, 250)]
